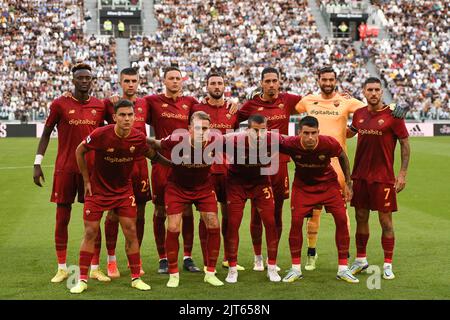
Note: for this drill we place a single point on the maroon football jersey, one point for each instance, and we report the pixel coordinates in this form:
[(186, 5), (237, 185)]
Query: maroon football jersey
[(277, 113), (191, 171), (166, 115), (114, 160), (221, 120), (377, 136), (74, 121), (246, 162), (312, 167)]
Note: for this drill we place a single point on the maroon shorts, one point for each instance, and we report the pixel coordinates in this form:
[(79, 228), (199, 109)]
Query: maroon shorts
[(304, 200), (374, 196), (140, 180), (66, 186), (123, 207), (238, 193), (280, 182), (177, 198), (160, 174), (219, 181)]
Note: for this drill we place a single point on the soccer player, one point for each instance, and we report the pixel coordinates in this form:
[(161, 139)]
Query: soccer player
[(246, 181), (167, 112), (332, 110), (189, 183), (316, 183), (116, 147), (75, 117), (221, 119), (374, 183), (277, 108), (129, 81)]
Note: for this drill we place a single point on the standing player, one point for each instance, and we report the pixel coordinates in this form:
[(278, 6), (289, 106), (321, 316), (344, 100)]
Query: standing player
[(277, 108), (109, 186), (129, 81), (75, 117), (246, 181), (316, 183), (374, 183), (332, 110), (168, 112), (190, 183), (221, 119)]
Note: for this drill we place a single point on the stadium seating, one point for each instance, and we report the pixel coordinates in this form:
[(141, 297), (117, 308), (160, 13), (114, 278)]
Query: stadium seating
[(414, 61), (241, 38), (40, 40)]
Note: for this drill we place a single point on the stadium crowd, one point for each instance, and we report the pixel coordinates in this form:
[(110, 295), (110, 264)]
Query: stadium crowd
[(41, 39), (199, 36), (414, 61), (39, 42)]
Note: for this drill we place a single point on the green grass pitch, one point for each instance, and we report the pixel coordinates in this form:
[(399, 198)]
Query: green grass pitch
[(421, 258)]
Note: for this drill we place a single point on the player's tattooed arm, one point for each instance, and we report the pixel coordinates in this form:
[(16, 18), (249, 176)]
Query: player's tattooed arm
[(405, 151), (82, 165), (38, 174), (351, 132), (345, 165)]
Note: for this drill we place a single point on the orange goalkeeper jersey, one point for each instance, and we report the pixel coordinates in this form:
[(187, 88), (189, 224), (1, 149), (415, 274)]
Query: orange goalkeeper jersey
[(332, 114)]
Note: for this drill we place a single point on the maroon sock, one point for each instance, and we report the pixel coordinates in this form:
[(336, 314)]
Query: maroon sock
[(85, 262), (256, 230), (98, 246), (203, 235), (296, 239), (140, 223), (134, 260), (172, 247), (61, 231), (388, 247), (361, 244), (111, 232), (159, 230), (188, 234), (213, 244)]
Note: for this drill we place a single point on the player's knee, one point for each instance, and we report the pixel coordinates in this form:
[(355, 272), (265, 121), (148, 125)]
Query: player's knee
[(362, 217), (90, 234), (387, 226)]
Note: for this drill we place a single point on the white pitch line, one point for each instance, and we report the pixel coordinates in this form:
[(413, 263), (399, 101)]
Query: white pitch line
[(24, 167)]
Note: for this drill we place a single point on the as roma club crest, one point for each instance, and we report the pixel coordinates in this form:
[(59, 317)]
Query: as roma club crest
[(228, 116), (140, 109), (164, 105), (336, 103), (361, 120), (281, 106), (132, 148), (380, 122), (72, 111), (94, 112), (185, 107), (322, 157), (110, 150)]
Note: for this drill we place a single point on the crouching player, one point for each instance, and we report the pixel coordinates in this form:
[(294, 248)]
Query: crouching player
[(109, 186), (316, 183)]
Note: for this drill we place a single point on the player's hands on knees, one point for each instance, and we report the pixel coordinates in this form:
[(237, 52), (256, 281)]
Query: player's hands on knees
[(400, 182), (348, 192), (87, 189), (37, 175)]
